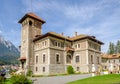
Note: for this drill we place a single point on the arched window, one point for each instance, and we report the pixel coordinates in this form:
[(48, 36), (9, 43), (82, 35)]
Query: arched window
[(30, 23), (68, 59)]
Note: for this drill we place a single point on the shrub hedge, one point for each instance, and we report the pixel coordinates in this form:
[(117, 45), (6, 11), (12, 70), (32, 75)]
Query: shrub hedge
[(20, 79), (70, 70)]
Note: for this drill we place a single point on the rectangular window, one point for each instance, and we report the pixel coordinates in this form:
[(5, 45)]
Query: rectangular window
[(36, 69), (57, 58), (45, 43), (43, 69), (77, 68), (62, 45), (95, 46), (90, 44), (114, 60), (43, 58), (99, 48), (78, 45), (77, 58), (36, 59), (59, 45), (105, 67), (55, 43), (98, 60), (91, 59)]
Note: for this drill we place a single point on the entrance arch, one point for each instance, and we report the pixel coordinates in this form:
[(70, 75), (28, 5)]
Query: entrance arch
[(68, 59)]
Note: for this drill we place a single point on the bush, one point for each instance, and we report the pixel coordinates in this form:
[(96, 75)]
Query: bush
[(2, 80), (29, 73), (20, 79), (70, 70)]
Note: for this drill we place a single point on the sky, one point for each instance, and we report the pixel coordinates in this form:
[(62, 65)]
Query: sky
[(100, 18)]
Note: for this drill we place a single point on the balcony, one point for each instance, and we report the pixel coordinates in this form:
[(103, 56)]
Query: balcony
[(69, 49)]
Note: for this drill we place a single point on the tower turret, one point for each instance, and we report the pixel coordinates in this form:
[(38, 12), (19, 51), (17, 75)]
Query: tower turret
[(31, 27)]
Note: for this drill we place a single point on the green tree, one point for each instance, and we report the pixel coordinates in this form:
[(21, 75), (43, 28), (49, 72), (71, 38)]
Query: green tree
[(117, 48), (111, 49)]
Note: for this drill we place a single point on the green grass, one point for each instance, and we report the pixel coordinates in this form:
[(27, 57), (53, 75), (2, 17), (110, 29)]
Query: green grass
[(104, 79)]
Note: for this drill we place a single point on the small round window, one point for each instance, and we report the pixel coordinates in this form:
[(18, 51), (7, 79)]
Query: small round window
[(30, 23)]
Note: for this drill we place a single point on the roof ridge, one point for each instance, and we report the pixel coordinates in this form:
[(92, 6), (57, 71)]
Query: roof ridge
[(32, 15)]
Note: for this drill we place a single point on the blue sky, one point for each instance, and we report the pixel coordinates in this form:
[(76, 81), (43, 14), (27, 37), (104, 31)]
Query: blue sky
[(100, 18)]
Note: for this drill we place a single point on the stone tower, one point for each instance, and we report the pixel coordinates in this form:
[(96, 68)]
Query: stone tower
[(31, 28)]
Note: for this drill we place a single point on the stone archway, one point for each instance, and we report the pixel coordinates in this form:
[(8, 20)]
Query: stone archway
[(68, 59)]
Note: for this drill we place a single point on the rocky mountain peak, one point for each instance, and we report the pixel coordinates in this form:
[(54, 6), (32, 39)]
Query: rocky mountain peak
[(8, 52)]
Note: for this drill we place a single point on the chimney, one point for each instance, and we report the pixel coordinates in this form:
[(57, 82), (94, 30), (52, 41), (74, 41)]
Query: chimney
[(68, 36), (75, 33), (62, 34)]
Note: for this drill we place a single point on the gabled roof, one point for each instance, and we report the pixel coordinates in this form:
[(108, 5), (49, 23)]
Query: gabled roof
[(53, 34), (83, 36), (31, 15), (79, 37)]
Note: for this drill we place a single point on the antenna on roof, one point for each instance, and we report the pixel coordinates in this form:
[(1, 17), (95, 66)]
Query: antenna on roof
[(31, 6)]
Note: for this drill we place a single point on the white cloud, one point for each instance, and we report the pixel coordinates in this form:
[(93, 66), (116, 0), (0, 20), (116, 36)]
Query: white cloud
[(99, 18), (83, 13)]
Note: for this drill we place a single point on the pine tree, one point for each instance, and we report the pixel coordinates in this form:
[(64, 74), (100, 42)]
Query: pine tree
[(111, 48), (118, 47)]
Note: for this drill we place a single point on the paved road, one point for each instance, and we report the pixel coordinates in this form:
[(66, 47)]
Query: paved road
[(59, 79)]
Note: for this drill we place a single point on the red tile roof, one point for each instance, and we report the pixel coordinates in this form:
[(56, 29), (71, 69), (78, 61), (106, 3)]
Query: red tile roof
[(112, 56), (79, 37), (69, 49), (31, 15), (22, 58), (83, 36), (53, 34)]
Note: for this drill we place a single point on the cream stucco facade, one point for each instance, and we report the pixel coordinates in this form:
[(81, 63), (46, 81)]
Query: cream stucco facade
[(111, 63)]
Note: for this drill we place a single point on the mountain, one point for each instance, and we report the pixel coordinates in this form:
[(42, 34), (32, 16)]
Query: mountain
[(9, 54)]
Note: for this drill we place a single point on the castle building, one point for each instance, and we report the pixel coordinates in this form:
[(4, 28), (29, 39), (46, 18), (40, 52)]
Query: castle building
[(52, 53), (111, 62)]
